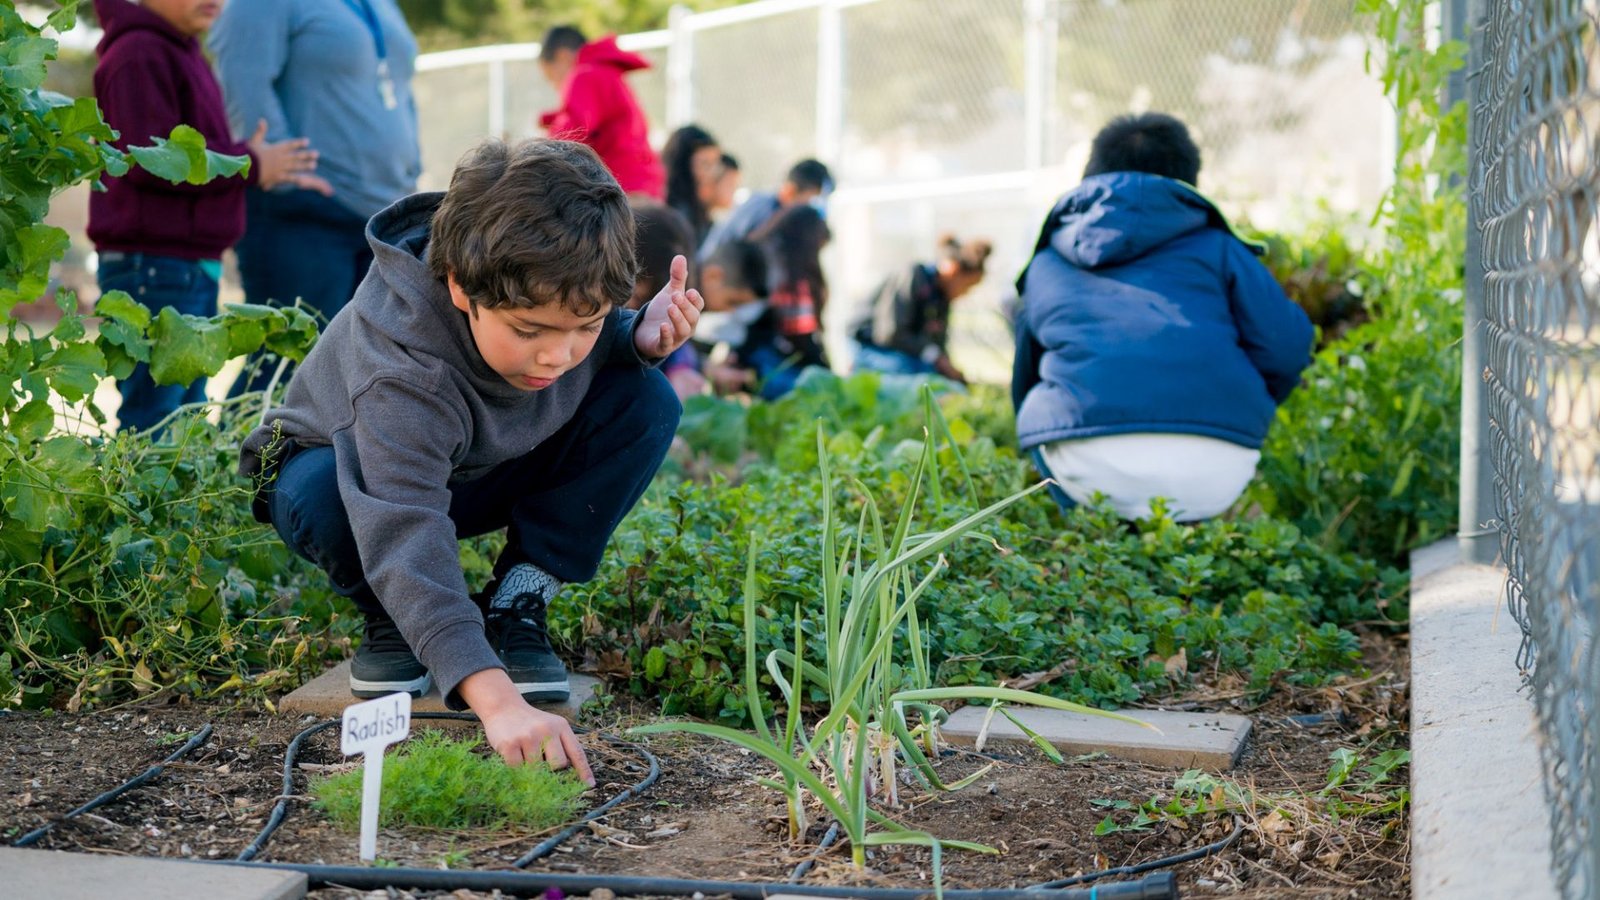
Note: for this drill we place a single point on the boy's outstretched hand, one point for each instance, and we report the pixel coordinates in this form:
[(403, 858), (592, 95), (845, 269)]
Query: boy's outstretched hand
[(670, 316), (519, 732)]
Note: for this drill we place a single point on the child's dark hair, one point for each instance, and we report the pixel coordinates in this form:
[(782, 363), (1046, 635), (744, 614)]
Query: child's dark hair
[(744, 266), (1155, 143), (969, 256), (660, 233), (810, 175), (793, 241), (559, 38), (683, 192), (535, 223)]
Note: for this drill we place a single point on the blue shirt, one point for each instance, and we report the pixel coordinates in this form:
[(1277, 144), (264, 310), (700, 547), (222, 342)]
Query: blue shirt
[(310, 69)]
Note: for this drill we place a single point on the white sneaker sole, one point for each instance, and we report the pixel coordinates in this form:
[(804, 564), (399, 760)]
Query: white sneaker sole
[(545, 691), (416, 687)]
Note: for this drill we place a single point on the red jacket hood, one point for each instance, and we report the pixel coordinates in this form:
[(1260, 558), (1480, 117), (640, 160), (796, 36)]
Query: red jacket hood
[(118, 17), (605, 52)]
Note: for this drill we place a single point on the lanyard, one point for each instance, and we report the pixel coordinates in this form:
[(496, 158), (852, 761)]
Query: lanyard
[(363, 8)]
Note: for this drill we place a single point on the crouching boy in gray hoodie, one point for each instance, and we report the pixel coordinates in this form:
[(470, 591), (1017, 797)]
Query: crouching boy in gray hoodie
[(484, 376)]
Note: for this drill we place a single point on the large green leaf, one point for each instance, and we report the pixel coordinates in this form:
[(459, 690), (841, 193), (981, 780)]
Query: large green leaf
[(73, 370), (182, 157), (184, 348)]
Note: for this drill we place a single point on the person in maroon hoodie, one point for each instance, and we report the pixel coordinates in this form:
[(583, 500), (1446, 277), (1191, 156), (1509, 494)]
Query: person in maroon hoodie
[(163, 242), (598, 109)]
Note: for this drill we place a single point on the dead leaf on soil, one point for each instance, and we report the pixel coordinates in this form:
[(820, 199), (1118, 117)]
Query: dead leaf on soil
[(1177, 665)]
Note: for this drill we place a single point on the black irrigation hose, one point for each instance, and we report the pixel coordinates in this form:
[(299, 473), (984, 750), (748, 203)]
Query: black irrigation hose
[(822, 846), (548, 846), (199, 738), (281, 808), (1161, 886), (1164, 862)]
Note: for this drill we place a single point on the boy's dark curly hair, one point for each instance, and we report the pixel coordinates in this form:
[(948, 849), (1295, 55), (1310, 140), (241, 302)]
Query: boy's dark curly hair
[(535, 223), (1154, 143)]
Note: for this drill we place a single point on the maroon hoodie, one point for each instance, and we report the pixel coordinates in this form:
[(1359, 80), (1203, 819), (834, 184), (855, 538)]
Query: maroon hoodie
[(151, 78), (598, 109)]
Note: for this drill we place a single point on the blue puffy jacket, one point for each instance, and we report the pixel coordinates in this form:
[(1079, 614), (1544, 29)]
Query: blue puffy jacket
[(1142, 312)]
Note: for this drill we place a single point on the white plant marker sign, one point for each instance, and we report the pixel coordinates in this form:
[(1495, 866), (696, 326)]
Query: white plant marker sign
[(369, 728)]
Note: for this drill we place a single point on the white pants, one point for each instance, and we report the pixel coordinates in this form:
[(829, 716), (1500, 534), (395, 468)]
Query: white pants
[(1200, 476)]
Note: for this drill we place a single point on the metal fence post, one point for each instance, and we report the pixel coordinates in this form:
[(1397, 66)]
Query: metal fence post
[(497, 98), (680, 67), (1041, 26), (830, 81), (1477, 537)]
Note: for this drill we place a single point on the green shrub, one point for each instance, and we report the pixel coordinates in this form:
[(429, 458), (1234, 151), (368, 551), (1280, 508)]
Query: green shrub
[(1366, 455), (434, 781), (129, 565)]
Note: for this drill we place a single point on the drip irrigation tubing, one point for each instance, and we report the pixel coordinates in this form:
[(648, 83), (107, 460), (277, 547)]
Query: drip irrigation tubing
[(1140, 868), (198, 738), (1160, 886), (544, 848), (822, 846)]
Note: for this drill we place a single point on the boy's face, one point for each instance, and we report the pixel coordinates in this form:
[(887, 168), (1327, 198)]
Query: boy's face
[(557, 68), (190, 17), (530, 348)]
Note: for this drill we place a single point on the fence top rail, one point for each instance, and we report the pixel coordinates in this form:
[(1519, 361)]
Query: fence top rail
[(493, 53)]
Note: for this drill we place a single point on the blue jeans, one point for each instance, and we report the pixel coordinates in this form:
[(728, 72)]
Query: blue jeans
[(297, 245), (157, 281), (870, 358), (560, 501)]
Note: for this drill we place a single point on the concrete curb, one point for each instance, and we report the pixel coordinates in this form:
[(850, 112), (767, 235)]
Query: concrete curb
[(1479, 826)]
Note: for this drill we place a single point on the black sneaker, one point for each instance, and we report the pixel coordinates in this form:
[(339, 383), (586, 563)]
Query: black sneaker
[(517, 633), (384, 663)]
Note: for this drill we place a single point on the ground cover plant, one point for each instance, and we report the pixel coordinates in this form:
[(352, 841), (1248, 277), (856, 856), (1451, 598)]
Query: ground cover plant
[(1112, 612), (130, 564), (435, 781)]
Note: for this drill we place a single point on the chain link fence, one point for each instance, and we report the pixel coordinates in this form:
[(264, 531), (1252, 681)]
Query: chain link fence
[(1535, 180), (972, 116)]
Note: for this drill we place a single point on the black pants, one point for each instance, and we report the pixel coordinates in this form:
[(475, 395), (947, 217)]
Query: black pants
[(560, 501)]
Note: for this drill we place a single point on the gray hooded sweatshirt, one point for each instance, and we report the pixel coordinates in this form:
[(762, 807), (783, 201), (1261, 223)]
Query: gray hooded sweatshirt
[(397, 387)]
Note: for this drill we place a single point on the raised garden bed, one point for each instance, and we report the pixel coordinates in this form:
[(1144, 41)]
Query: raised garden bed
[(707, 819)]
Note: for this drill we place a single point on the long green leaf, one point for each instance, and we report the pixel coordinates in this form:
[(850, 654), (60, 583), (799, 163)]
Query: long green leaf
[(752, 687), (786, 764)]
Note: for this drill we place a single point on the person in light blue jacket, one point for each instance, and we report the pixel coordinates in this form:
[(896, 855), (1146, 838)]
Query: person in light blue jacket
[(337, 72), (1153, 347)]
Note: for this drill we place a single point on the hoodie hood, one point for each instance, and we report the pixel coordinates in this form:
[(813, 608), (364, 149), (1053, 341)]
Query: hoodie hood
[(1118, 217), (418, 312), (119, 17), (605, 52)]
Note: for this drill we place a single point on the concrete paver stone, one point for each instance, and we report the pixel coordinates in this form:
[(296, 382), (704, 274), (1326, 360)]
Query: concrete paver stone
[(54, 875), (329, 693), (1186, 740)]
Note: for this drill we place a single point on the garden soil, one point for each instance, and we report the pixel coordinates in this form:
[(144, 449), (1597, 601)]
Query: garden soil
[(707, 819)]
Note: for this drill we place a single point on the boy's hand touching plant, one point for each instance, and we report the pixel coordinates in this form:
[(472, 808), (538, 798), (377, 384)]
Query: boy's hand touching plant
[(519, 732), (670, 316)]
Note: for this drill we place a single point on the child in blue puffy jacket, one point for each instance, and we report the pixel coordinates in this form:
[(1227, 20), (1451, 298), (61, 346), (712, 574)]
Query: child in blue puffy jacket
[(1153, 347)]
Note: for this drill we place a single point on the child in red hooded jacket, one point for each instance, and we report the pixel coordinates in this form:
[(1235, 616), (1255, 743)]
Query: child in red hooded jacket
[(598, 108)]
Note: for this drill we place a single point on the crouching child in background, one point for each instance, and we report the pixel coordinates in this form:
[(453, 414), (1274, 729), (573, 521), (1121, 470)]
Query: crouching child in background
[(484, 376)]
